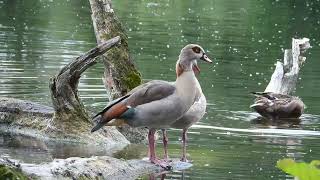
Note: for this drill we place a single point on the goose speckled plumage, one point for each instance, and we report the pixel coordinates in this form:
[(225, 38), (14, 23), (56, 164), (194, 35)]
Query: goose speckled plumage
[(277, 106), (157, 105)]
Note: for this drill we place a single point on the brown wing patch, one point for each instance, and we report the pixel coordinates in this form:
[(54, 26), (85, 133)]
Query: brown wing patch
[(115, 111), (196, 49)]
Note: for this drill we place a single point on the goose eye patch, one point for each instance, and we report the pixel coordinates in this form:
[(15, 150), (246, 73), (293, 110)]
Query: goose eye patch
[(196, 49)]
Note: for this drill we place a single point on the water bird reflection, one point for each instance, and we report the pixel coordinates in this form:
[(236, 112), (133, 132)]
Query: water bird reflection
[(262, 122)]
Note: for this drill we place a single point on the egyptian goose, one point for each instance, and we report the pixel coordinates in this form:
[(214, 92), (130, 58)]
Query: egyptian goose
[(157, 106), (193, 115)]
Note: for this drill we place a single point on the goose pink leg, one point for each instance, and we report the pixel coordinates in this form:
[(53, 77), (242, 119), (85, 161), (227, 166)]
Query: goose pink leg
[(184, 145), (165, 145), (152, 154)]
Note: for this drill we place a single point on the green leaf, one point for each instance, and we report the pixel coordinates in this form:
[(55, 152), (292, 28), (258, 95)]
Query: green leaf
[(301, 170)]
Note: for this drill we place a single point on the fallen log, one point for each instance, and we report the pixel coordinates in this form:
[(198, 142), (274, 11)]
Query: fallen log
[(70, 115), (277, 102)]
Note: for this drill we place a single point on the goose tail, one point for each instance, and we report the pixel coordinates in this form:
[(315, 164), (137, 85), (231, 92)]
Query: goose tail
[(98, 125)]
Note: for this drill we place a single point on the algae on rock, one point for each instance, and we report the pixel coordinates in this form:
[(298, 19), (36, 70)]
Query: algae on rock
[(11, 173)]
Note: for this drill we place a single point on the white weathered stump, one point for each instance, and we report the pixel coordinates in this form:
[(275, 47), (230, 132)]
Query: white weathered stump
[(285, 75), (276, 101)]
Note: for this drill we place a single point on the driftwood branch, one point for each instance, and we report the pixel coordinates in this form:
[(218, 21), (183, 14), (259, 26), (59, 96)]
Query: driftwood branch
[(285, 76), (70, 114), (79, 65), (68, 121)]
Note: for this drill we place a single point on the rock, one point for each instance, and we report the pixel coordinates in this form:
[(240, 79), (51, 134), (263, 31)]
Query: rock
[(15, 112), (96, 167), (103, 167), (20, 106), (31, 119)]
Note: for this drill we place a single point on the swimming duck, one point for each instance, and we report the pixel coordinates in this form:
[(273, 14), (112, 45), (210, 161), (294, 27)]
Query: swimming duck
[(157, 106), (277, 106)]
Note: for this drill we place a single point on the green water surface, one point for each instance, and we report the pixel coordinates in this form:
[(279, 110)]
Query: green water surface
[(243, 37)]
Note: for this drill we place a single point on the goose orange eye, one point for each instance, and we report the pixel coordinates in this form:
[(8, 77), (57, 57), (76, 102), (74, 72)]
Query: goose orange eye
[(196, 49)]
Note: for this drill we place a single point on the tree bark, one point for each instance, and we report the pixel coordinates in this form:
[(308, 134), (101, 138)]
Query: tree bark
[(120, 74), (285, 76), (70, 115)]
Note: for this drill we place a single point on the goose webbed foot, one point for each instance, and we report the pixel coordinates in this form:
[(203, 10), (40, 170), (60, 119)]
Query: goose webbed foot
[(184, 159), (162, 163)]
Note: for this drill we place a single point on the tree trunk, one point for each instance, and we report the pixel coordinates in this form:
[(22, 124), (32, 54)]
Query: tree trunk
[(285, 76), (70, 115), (120, 74)]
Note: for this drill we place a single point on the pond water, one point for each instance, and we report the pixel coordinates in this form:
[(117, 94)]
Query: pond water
[(245, 38)]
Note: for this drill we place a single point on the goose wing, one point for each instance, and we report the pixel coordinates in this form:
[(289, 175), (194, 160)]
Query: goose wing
[(151, 91), (145, 93)]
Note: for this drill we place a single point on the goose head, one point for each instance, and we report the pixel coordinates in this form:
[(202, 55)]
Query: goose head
[(188, 58)]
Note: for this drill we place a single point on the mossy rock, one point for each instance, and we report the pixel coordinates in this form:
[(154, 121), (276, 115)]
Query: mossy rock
[(7, 173)]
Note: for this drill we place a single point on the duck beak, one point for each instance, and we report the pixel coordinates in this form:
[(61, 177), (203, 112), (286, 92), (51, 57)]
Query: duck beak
[(205, 58)]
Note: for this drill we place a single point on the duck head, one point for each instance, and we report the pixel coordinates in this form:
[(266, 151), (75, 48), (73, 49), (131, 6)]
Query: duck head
[(188, 59)]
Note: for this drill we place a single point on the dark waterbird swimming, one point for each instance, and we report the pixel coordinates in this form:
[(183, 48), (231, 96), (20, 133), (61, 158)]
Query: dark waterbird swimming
[(277, 106)]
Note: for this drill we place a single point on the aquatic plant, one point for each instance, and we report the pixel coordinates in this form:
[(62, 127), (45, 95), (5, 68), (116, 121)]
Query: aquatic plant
[(300, 170)]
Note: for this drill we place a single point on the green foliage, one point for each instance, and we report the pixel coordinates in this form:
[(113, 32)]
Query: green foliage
[(11, 173), (302, 170)]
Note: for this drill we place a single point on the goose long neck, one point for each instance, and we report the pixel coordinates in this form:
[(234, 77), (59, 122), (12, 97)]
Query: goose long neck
[(187, 85), (183, 65)]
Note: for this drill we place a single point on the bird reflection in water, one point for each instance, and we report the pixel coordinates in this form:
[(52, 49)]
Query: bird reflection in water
[(162, 175), (262, 122)]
